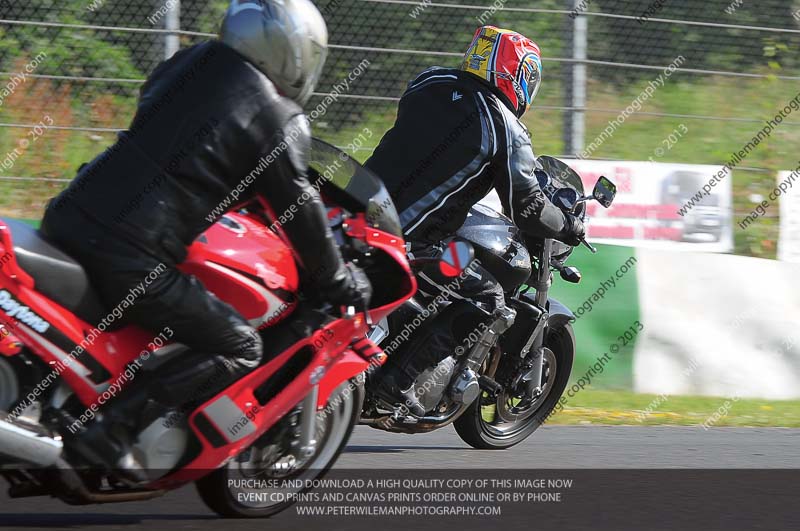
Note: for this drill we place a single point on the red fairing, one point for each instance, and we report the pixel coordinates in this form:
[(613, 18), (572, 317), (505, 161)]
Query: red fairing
[(244, 263), (330, 366)]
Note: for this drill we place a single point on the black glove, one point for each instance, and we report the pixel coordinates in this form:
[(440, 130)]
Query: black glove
[(350, 287), (574, 231)]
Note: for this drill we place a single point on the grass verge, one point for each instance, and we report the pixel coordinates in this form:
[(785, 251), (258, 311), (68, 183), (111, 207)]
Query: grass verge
[(626, 408)]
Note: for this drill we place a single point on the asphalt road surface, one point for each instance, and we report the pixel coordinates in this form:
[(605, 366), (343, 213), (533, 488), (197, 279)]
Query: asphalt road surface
[(582, 449)]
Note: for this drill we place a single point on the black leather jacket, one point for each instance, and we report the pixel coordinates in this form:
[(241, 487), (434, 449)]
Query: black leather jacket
[(207, 123), (454, 140)]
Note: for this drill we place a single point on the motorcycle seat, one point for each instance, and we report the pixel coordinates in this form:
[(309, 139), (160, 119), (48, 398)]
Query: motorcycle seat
[(56, 275)]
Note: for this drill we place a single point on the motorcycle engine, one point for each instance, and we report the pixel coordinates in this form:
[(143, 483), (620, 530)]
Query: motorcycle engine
[(160, 446), (432, 353), (431, 385)]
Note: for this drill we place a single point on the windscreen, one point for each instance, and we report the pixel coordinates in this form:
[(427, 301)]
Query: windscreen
[(562, 175), (350, 185)]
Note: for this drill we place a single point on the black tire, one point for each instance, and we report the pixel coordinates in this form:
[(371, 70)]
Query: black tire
[(217, 495), (475, 431)]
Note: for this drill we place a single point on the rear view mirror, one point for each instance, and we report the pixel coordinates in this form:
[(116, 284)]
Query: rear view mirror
[(604, 191), (456, 258)]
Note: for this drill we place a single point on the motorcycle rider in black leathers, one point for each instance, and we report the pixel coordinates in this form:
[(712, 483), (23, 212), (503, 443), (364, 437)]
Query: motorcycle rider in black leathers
[(457, 136), (205, 119)]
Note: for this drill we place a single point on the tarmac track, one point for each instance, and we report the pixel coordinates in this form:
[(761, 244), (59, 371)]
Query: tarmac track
[(608, 461)]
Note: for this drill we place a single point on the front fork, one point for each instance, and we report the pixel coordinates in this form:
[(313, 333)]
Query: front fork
[(503, 320), (532, 378), (307, 442)]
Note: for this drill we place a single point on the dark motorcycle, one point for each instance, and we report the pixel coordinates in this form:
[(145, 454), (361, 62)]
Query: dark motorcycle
[(506, 376)]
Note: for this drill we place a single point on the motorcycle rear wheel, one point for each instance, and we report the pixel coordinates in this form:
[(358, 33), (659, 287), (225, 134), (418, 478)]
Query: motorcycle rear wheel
[(482, 428), (333, 432)]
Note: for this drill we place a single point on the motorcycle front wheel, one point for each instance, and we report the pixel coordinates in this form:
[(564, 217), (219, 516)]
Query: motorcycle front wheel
[(266, 479), (502, 421)]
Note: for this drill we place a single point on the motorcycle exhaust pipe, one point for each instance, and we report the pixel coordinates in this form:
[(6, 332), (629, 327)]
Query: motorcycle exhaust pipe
[(28, 442)]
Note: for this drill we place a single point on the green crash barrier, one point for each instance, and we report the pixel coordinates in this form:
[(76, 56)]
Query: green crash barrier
[(603, 316)]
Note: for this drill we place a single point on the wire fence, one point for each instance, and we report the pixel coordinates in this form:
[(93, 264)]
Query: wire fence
[(740, 64)]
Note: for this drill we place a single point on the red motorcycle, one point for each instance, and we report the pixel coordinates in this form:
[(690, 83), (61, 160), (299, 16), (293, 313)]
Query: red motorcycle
[(290, 418)]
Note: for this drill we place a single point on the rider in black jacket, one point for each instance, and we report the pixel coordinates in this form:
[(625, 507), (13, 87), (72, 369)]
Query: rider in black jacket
[(220, 116), (457, 136)]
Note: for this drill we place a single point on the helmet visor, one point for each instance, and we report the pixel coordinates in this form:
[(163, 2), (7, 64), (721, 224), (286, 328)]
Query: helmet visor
[(530, 78)]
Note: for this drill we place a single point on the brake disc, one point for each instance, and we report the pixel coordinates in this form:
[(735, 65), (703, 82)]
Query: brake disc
[(514, 406)]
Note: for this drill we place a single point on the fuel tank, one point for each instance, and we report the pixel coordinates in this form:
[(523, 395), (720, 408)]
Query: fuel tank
[(246, 265), (498, 245)]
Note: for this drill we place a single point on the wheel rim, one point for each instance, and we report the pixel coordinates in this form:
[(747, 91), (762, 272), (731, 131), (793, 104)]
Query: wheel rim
[(510, 414), (332, 428)]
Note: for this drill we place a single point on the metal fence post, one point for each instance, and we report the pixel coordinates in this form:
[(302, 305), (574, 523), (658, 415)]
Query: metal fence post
[(575, 86), (172, 22)]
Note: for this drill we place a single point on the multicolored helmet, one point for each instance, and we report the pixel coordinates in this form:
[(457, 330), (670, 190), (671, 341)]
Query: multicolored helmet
[(509, 61)]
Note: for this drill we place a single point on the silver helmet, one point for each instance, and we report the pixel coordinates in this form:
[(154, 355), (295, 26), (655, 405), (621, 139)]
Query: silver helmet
[(285, 39)]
